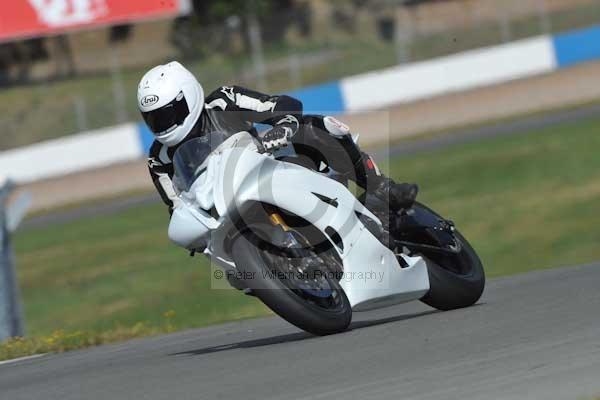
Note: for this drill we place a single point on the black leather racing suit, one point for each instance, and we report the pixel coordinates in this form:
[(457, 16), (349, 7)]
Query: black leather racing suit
[(323, 140)]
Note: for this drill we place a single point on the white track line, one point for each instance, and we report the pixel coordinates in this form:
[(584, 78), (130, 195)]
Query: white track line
[(16, 360)]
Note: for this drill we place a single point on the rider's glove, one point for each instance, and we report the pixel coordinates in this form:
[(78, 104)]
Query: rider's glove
[(277, 137)]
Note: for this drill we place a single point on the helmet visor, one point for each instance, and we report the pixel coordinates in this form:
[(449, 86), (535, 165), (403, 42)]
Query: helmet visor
[(169, 116)]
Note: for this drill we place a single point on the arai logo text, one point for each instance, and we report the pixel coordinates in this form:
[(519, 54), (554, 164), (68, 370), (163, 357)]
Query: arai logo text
[(149, 100)]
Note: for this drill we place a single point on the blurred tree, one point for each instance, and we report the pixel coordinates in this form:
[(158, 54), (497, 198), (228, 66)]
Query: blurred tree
[(64, 58), (215, 24), (17, 59), (119, 33), (219, 10), (304, 18), (6, 62)]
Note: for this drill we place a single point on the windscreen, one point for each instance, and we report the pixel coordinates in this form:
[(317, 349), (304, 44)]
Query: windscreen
[(190, 159)]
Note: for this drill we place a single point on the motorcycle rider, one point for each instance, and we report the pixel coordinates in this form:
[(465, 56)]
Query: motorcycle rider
[(174, 107)]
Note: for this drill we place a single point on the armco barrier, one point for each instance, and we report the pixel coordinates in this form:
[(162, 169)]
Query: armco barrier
[(72, 154), (576, 47), (448, 74), (358, 93), (322, 99)]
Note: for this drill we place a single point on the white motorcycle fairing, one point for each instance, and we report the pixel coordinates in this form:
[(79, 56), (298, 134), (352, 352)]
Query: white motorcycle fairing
[(373, 277)]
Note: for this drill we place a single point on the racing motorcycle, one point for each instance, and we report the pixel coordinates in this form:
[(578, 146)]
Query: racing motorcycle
[(307, 247)]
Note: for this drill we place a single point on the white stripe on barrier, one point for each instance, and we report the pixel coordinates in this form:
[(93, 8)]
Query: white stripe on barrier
[(453, 73), (72, 154)]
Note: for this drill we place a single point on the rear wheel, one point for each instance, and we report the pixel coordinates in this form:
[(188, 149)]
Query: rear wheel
[(311, 300), (455, 281)]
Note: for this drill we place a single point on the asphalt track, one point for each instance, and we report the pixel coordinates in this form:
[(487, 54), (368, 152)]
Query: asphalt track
[(533, 336)]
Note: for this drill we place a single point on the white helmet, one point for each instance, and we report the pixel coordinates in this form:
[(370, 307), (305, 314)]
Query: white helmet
[(171, 100)]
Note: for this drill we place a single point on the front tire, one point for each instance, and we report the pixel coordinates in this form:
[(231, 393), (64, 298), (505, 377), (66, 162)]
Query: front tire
[(250, 260)]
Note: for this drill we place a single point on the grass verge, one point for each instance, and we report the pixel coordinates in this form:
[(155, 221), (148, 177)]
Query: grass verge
[(526, 202), (61, 341)]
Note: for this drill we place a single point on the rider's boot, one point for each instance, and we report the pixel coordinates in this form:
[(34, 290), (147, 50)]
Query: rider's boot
[(344, 155), (399, 195), (368, 176)]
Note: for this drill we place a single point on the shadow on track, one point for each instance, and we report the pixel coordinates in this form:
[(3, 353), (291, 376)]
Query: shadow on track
[(295, 337)]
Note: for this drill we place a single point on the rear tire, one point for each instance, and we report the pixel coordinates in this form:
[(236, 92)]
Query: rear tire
[(246, 254), (456, 281), (450, 290)]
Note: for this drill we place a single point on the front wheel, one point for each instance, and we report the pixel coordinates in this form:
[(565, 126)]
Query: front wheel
[(320, 307)]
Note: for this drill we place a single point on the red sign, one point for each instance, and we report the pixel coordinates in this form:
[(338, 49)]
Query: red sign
[(32, 18)]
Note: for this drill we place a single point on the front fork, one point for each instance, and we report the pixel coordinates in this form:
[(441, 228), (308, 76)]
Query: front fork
[(276, 218), (300, 251), (291, 241)]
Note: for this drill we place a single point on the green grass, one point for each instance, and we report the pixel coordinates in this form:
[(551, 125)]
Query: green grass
[(101, 273), (526, 202)]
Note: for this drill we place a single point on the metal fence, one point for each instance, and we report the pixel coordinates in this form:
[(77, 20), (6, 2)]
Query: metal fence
[(282, 52)]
